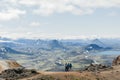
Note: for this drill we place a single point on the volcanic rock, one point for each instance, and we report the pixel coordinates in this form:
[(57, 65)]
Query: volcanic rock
[(97, 67), (8, 64), (116, 61)]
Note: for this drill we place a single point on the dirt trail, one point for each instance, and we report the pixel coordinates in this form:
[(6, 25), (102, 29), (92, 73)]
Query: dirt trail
[(52, 74)]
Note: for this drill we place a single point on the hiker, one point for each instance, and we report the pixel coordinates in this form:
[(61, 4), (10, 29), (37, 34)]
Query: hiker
[(66, 67), (70, 66)]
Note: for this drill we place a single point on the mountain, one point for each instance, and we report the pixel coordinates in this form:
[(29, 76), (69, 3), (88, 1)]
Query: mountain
[(5, 39), (93, 47), (8, 50), (96, 47), (49, 54), (98, 42), (112, 42), (55, 44)]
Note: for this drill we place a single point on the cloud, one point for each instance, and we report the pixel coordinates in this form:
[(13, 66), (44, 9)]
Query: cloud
[(35, 35), (10, 9), (35, 24), (49, 7), (11, 14), (77, 7)]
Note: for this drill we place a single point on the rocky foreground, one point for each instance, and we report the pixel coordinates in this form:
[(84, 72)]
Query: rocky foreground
[(17, 73), (111, 74), (11, 70)]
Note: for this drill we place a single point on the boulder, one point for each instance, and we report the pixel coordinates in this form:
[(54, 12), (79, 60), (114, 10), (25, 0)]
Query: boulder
[(17, 73), (8, 64), (11, 70), (116, 61), (97, 67)]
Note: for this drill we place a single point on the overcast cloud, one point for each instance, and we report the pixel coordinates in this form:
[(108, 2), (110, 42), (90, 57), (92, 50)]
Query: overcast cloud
[(30, 13), (11, 8)]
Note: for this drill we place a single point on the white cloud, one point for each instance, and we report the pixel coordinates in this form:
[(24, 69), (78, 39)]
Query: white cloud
[(79, 7), (35, 24), (49, 7), (10, 9), (10, 14)]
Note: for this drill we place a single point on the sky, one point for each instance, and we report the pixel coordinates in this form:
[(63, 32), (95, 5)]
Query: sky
[(63, 19)]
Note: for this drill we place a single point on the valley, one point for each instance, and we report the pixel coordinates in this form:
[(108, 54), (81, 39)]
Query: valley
[(51, 55)]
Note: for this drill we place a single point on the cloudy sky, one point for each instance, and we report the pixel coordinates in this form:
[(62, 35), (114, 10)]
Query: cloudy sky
[(59, 18)]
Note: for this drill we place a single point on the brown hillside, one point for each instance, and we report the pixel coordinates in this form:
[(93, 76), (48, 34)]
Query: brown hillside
[(8, 64), (111, 74)]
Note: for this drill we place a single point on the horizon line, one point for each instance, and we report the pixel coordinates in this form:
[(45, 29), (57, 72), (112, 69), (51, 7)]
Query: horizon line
[(65, 37)]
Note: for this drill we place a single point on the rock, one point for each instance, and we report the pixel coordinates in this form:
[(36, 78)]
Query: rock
[(96, 67), (8, 64), (11, 70), (116, 61), (17, 73)]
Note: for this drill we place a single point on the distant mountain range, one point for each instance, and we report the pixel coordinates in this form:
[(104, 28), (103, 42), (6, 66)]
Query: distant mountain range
[(8, 50), (36, 45), (49, 54)]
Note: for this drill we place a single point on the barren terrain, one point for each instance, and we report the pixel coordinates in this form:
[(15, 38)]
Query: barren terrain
[(112, 74)]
